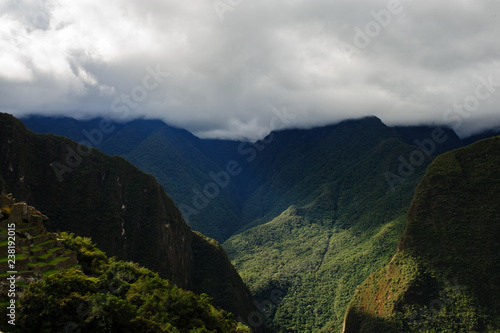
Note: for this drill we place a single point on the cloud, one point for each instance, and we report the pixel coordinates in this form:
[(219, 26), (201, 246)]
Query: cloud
[(231, 62)]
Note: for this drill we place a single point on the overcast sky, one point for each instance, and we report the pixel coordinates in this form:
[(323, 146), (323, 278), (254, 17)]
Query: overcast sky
[(230, 62)]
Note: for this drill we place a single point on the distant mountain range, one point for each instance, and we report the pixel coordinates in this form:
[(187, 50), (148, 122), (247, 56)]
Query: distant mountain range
[(184, 164), (306, 215)]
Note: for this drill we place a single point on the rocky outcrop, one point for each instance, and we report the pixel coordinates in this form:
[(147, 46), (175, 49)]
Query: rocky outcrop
[(37, 252)]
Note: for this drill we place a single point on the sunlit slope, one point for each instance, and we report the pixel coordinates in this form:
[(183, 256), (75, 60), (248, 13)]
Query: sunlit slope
[(445, 275), (324, 222)]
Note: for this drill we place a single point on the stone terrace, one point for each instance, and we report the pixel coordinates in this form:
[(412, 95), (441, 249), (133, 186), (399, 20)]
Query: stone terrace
[(38, 252)]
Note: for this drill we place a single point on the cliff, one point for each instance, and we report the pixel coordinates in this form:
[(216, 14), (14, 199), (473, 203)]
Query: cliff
[(125, 211), (445, 275)]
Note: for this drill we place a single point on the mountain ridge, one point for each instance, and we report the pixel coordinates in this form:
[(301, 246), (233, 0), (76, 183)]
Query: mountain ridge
[(320, 206), (445, 273), (181, 151), (125, 211)]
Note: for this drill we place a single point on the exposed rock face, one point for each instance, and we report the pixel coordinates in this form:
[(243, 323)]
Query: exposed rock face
[(84, 192), (125, 211)]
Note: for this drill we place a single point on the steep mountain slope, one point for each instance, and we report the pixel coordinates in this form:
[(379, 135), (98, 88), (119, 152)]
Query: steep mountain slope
[(412, 135), (445, 275), (66, 284), (125, 211), (323, 222), (296, 163), (185, 165), (180, 162), (309, 208), (480, 136)]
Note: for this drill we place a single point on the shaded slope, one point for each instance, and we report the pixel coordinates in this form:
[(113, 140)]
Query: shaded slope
[(445, 276), (324, 222), (103, 197), (179, 161), (183, 163), (410, 134), (124, 210), (480, 136), (311, 209)]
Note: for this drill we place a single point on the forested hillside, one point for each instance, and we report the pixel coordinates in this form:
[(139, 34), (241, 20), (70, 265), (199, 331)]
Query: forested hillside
[(333, 220), (65, 283), (445, 275), (125, 211), (311, 213), (179, 161)]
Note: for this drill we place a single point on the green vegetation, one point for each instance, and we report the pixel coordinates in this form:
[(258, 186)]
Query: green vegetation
[(125, 211), (92, 259), (445, 276), (323, 224), (311, 214), (210, 256), (114, 296), (310, 229), (19, 256)]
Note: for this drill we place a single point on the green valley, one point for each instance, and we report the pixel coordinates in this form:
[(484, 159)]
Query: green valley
[(310, 214)]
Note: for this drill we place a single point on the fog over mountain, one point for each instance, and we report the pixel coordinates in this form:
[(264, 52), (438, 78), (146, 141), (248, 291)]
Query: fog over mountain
[(219, 68)]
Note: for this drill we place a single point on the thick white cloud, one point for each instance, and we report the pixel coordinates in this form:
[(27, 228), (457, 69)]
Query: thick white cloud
[(230, 62)]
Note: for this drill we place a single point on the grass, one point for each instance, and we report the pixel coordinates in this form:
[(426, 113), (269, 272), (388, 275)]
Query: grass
[(7, 274), (44, 256), (50, 272), (19, 256), (39, 246), (49, 253), (52, 250), (22, 284), (25, 229), (39, 236), (52, 262), (57, 260), (37, 263)]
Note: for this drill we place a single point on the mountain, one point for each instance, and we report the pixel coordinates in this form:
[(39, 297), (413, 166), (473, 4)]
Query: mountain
[(182, 163), (125, 211), (480, 136), (414, 134), (313, 211), (65, 283), (445, 275), (323, 222), (306, 215), (189, 167)]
